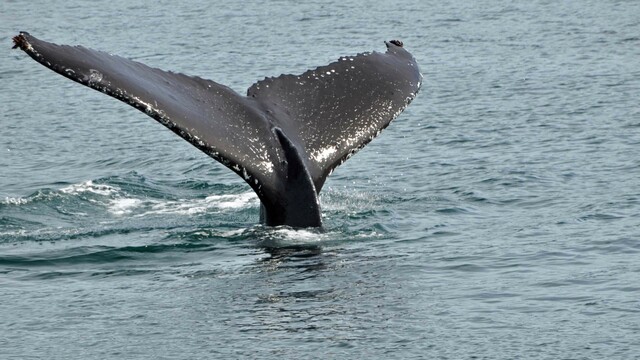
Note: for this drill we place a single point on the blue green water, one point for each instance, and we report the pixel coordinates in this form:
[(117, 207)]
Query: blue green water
[(497, 218)]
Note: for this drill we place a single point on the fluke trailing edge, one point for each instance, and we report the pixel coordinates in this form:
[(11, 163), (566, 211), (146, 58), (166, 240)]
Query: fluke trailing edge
[(284, 138)]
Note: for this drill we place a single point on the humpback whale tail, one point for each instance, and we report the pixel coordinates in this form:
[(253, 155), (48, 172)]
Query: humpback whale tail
[(284, 138)]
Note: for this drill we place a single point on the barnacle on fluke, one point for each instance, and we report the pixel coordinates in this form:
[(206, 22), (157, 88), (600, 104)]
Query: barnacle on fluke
[(19, 42)]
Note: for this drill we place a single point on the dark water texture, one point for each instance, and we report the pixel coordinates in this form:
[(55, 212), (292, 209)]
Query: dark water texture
[(498, 217)]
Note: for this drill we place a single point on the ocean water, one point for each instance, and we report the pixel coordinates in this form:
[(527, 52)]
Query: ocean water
[(497, 218)]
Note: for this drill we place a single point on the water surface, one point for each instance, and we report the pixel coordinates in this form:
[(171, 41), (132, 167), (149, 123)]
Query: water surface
[(497, 217)]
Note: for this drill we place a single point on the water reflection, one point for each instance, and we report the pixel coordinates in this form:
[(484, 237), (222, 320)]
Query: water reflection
[(306, 258), (298, 294)]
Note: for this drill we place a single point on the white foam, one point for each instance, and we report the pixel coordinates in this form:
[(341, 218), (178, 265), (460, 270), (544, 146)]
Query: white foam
[(198, 206), (286, 237), (298, 235), (123, 206), (15, 201), (232, 201), (232, 233), (15, 233), (89, 186)]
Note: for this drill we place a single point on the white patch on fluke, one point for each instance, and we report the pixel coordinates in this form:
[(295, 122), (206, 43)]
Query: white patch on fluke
[(266, 167), (323, 154), (148, 108), (95, 76)]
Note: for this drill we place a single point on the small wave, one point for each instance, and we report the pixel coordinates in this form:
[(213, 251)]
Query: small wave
[(120, 202), (185, 206), (89, 186), (299, 235), (123, 206), (76, 189), (286, 237), (232, 233), (15, 201), (35, 197), (344, 200)]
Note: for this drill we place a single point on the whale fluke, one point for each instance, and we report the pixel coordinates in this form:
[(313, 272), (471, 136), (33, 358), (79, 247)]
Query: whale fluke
[(283, 138)]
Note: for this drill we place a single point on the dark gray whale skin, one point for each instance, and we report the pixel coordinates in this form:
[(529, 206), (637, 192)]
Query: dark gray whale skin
[(283, 138)]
